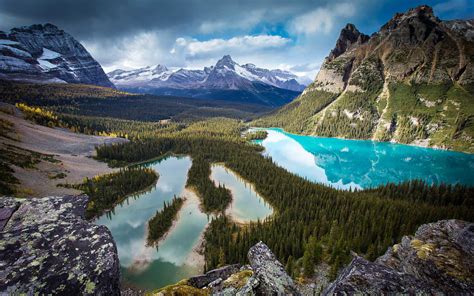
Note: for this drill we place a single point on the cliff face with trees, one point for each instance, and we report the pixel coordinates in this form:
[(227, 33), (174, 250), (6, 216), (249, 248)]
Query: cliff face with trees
[(411, 82)]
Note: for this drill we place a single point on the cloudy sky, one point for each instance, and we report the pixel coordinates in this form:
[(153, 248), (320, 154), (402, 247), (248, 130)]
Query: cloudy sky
[(293, 35)]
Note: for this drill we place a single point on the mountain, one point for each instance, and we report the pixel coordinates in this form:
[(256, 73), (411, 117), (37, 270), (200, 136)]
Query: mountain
[(44, 53), (225, 80), (410, 82)]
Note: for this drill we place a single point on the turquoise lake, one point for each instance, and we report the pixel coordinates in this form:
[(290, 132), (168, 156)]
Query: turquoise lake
[(175, 257), (348, 164)]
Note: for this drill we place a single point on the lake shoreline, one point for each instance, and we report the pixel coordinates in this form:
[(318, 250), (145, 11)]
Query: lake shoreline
[(422, 146)]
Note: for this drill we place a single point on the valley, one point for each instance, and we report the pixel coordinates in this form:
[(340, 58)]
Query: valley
[(235, 179)]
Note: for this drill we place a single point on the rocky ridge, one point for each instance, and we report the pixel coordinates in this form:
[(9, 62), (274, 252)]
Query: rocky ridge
[(437, 260), (45, 53), (47, 247)]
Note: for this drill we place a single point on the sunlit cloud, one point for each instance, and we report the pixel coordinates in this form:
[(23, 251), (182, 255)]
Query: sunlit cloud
[(322, 19), (193, 47)]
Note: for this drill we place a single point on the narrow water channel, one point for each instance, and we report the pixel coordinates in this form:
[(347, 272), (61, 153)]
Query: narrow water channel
[(176, 257), (246, 204)]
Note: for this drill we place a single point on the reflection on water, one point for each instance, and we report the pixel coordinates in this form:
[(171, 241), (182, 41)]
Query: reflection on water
[(246, 204), (362, 164), (150, 267)]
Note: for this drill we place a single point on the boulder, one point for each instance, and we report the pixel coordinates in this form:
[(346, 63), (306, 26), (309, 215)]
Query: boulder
[(269, 276), (438, 259), (222, 273), (47, 247), (8, 206), (441, 254), (365, 277)]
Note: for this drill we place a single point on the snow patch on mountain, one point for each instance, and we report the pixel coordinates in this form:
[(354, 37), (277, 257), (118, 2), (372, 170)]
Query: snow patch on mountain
[(226, 74), (45, 53)]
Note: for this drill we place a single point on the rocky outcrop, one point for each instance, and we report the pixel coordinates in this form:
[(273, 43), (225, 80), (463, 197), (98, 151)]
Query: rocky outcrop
[(265, 276), (348, 37), (45, 53), (7, 207), (269, 276), (415, 45), (438, 259), (47, 247), (222, 273)]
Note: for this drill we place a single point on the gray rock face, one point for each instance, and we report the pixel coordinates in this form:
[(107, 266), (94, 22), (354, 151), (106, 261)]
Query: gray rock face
[(269, 276), (211, 276), (8, 206), (349, 35), (44, 53), (438, 259), (441, 254), (47, 247), (362, 276)]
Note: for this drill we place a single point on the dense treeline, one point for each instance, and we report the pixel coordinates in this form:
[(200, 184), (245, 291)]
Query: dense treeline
[(360, 124), (163, 220), (213, 199), (99, 126), (87, 100), (420, 191), (298, 116), (107, 190), (366, 222), (256, 135)]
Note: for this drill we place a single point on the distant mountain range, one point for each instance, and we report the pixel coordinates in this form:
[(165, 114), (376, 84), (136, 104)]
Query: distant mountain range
[(46, 54), (410, 82), (226, 80)]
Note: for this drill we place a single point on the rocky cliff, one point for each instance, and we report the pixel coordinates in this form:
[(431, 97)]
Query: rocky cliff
[(410, 82), (46, 247), (437, 260), (45, 53)]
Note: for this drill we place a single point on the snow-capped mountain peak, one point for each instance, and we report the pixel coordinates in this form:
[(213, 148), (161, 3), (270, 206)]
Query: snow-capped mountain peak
[(226, 62), (226, 74), (45, 53)]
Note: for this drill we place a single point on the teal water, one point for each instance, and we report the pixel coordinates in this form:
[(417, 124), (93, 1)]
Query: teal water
[(363, 163), (246, 204), (149, 267)]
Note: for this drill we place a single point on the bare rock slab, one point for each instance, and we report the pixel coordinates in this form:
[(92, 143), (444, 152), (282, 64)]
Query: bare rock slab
[(47, 247), (269, 276), (437, 260)]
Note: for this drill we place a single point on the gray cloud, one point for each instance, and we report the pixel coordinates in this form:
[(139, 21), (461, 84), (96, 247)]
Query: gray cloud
[(135, 33)]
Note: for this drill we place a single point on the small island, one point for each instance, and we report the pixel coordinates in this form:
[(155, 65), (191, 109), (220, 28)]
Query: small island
[(256, 135), (161, 223), (105, 191)]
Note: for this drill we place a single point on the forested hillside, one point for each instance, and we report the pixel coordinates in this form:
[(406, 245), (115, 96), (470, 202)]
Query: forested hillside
[(88, 100), (366, 222), (412, 82)]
